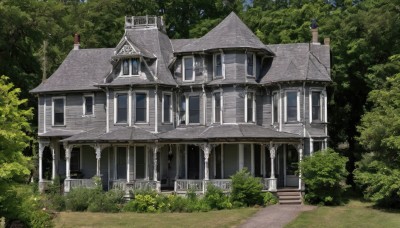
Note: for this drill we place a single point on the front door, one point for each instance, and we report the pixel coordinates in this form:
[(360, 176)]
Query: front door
[(193, 162), (292, 162)]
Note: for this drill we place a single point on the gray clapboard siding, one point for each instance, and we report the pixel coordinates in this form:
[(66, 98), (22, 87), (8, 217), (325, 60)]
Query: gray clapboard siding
[(229, 111)]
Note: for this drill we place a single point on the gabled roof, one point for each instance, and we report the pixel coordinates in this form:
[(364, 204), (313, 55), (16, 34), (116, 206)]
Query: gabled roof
[(80, 71), (298, 62), (230, 33), (127, 47)]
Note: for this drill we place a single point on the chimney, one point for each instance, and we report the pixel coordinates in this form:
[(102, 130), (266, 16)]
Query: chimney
[(314, 31), (77, 40), (327, 41)]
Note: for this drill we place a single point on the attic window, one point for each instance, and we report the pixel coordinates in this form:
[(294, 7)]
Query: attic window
[(250, 64), (188, 69), (130, 67), (218, 66)]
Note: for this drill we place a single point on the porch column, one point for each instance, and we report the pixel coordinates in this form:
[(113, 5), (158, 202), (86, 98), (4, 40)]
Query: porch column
[(53, 162), (68, 149), (98, 157), (300, 151), (241, 156), (272, 153), (178, 161), (155, 151), (206, 156), (41, 149)]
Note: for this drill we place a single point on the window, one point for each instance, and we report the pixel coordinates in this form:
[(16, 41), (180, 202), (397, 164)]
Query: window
[(141, 107), (121, 162), (194, 109), (275, 108), (291, 106), (250, 107), (130, 67), (217, 107), (59, 111), (218, 65), (88, 105), (188, 72), (121, 108), (316, 106), (182, 110), (250, 64), (167, 108)]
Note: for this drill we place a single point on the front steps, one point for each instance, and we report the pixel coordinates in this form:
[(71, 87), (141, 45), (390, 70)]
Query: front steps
[(289, 197)]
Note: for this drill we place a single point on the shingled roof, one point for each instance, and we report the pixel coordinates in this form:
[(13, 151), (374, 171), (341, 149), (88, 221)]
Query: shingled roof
[(80, 71), (298, 62), (230, 33)]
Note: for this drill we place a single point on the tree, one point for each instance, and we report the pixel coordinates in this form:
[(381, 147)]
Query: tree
[(14, 166)]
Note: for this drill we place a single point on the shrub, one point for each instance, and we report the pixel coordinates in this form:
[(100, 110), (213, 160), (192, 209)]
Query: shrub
[(380, 183), (78, 199), (246, 189), (270, 199), (110, 201), (324, 174), (143, 202), (215, 198)]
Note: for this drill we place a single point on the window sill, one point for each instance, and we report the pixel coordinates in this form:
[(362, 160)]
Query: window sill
[(128, 76), (250, 76), (293, 122), (89, 116), (166, 123), (141, 123), (59, 125), (120, 124)]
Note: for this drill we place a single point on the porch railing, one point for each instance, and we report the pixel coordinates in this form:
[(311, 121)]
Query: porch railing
[(135, 185), (182, 186), (265, 183), (70, 184), (224, 184)]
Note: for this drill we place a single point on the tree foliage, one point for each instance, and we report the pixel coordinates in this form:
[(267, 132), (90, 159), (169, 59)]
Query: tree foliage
[(324, 174)]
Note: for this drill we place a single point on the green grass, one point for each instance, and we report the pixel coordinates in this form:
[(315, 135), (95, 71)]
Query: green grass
[(223, 218), (353, 214)]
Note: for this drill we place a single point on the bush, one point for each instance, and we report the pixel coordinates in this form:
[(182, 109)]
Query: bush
[(380, 183), (110, 201), (246, 189), (216, 199), (324, 174), (270, 199), (78, 199)]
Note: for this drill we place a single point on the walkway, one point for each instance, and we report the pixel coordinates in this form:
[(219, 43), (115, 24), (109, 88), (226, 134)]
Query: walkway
[(275, 216)]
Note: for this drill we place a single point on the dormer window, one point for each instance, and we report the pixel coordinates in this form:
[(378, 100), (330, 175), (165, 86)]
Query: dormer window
[(218, 71), (130, 67), (250, 64), (188, 69)]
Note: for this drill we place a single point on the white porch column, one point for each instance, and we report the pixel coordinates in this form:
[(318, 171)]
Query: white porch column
[(41, 149), (178, 161), (273, 181), (241, 156), (300, 151), (68, 149), (53, 161), (155, 151), (206, 156), (98, 157)]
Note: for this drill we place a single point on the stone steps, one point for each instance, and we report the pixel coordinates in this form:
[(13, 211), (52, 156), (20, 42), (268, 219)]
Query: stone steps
[(289, 197)]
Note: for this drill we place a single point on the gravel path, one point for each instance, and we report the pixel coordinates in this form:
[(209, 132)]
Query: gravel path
[(275, 216)]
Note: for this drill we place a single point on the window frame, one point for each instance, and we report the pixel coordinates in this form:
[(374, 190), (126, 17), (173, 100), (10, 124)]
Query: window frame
[(135, 106), (222, 76), (273, 103), (121, 74), (84, 108), (188, 109), (220, 107), (116, 93), (254, 64), (253, 118), (164, 121), (180, 112), (184, 69), (297, 106), (322, 109), (64, 111)]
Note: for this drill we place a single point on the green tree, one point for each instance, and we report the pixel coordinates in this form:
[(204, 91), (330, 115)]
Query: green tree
[(324, 175)]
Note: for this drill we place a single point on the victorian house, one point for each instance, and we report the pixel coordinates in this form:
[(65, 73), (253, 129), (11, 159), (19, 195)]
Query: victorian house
[(175, 114)]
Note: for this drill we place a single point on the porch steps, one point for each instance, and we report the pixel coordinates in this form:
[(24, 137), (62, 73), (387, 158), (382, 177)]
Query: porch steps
[(289, 197)]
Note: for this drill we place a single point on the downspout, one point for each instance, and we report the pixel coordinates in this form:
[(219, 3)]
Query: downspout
[(156, 109), (107, 110), (304, 109), (44, 113), (204, 104)]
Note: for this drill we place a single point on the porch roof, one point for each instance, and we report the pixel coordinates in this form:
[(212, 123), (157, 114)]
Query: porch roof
[(59, 133)]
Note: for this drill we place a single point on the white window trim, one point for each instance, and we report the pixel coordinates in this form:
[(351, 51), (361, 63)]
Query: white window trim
[(254, 65), (321, 104), (115, 107), (222, 65), (170, 108), (147, 105), (84, 105), (221, 106), (322, 141), (297, 104), (121, 73), (188, 111), (52, 111), (179, 101), (183, 69), (272, 111), (254, 107)]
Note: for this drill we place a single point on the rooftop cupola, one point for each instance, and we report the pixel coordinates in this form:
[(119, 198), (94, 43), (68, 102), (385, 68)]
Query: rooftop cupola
[(144, 22)]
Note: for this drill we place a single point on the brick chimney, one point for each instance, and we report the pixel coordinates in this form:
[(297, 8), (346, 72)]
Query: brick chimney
[(314, 31), (77, 40), (327, 41)]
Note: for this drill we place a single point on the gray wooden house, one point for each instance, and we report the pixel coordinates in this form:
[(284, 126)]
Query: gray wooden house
[(174, 114)]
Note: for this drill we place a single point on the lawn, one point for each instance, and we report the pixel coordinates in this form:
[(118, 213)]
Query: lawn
[(353, 214), (223, 218)]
